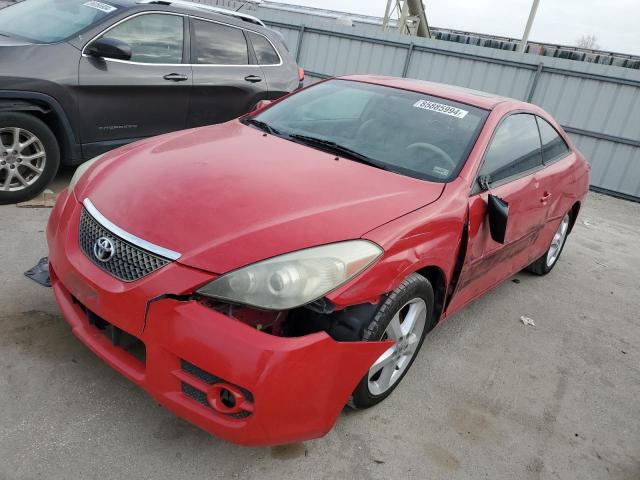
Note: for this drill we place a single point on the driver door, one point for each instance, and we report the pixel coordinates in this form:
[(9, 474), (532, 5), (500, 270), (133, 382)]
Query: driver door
[(513, 165), (120, 101)]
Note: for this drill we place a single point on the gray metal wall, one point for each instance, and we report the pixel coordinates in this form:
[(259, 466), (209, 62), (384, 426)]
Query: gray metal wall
[(598, 105)]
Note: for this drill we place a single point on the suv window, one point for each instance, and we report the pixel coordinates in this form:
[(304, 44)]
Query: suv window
[(514, 149), (265, 53), (153, 37), (216, 44), (553, 145)]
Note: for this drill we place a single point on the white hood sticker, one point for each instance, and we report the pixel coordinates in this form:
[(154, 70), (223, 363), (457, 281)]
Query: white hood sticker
[(103, 7), (441, 108)]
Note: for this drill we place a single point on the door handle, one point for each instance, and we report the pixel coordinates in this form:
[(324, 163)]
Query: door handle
[(545, 197), (253, 78), (176, 77)]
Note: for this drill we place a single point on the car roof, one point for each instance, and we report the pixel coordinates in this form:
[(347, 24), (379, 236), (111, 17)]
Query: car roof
[(476, 98)]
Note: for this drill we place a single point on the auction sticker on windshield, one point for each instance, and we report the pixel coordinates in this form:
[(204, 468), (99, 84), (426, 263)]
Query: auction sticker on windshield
[(103, 7), (441, 108)]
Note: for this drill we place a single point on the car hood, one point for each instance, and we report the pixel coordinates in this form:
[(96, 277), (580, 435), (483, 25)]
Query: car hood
[(228, 195)]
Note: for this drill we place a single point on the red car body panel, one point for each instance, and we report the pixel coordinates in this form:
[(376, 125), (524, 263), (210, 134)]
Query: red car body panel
[(274, 369), (229, 195), (216, 181)]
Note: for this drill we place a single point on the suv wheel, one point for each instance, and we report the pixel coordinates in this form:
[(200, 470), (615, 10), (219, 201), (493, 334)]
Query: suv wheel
[(29, 157)]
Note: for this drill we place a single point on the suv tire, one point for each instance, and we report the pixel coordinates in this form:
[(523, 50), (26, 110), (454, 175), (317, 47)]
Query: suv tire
[(29, 156)]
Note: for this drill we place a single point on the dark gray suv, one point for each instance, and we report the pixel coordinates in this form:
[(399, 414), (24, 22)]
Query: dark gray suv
[(80, 77)]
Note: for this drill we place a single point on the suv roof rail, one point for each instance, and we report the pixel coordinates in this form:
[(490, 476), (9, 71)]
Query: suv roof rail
[(208, 8)]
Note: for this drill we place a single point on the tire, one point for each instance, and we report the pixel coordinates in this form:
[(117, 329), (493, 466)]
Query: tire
[(26, 168), (415, 292), (548, 260)]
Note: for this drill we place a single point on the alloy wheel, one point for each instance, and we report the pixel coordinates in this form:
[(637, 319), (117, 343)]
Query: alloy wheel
[(22, 158), (406, 329), (558, 241)]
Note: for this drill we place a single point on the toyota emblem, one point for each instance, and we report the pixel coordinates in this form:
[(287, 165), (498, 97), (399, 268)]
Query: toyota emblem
[(104, 249)]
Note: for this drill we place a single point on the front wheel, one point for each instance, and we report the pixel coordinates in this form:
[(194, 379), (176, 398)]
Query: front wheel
[(29, 157), (548, 260), (406, 317)]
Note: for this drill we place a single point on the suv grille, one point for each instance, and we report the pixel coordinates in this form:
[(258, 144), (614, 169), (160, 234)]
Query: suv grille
[(128, 263)]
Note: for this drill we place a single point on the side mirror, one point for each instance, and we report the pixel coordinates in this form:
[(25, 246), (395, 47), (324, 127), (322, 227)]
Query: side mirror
[(109, 48), (262, 104), (498, 211)]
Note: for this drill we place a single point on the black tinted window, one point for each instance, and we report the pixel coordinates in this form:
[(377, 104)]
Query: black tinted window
[(515, 148), (553, 146), (410, 133), (153, 38), (265, 53), (216, 44)]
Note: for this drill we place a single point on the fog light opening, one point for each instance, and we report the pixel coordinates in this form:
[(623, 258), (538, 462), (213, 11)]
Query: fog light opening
[(227, 398)]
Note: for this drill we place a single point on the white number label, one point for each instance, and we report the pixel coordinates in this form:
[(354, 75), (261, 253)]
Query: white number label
[(103, 7), (441, 108)]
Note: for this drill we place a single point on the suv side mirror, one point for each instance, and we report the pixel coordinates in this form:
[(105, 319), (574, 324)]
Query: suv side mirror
[(261, 104), (109, 48)]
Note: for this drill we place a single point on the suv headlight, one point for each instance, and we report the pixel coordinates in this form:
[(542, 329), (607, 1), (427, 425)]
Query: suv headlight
[(82, 168), (294, 279)]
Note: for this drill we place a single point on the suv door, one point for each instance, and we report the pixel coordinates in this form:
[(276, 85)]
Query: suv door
[(147, 95), (513, 161), (227, 82)]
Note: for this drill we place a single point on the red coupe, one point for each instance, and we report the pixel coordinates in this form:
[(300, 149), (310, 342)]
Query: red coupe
[(256, 276)]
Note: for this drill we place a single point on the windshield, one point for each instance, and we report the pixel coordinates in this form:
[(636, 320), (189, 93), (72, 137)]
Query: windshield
[(50, 21), (402, 131)]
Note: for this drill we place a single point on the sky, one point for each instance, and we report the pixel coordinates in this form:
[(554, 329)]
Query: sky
[(615, 23)]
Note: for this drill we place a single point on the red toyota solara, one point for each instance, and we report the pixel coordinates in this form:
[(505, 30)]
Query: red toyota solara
[(255, 277)]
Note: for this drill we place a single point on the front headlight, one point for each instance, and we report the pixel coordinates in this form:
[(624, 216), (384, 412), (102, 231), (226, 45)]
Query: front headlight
[(294, 279), (81, 171)]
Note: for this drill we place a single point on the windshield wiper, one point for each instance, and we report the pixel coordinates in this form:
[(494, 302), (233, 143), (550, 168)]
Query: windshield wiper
[(338, 149), (261, 125)]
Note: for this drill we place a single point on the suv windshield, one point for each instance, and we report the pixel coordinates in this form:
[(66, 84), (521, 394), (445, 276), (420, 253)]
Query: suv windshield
[(401, 131), (50, 21)]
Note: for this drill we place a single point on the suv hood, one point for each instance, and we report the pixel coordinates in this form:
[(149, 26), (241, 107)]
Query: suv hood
[(6, 41), (228, 195)]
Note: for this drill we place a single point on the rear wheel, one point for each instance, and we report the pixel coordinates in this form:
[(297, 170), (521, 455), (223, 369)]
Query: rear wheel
[(548, 260), (405, 317), (29, 157)]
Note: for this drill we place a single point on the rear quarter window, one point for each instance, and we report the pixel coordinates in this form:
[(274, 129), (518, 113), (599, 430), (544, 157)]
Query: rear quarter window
[(553, 145), (265, 53)]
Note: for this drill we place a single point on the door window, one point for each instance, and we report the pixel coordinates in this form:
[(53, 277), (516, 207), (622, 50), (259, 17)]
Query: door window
[(216, 44), (153, 37), (514, 149), (265, 53), (553, 145)]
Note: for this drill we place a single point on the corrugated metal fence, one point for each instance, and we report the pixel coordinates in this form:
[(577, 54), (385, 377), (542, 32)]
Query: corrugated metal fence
[(599, 106)]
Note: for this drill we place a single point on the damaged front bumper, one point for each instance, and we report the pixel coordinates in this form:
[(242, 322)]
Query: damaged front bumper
[(234, 381)]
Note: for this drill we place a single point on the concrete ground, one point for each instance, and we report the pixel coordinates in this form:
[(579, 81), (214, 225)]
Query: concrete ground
[(487, 398)]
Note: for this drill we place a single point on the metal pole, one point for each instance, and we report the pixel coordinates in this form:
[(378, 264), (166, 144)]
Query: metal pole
[(527, 29), (299, 45), (387, 15), (534, 83)]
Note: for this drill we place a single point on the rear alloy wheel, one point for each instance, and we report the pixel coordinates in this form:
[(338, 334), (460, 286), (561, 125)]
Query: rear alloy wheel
[(547, 261), (29, 157), (406, 317)]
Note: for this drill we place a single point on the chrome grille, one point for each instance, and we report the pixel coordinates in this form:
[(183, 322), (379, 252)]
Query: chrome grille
[(129, 262)]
